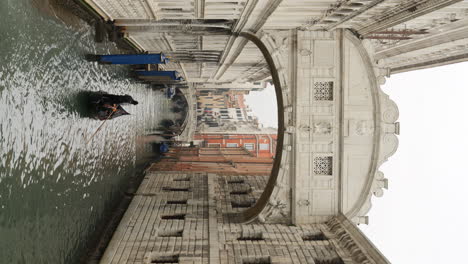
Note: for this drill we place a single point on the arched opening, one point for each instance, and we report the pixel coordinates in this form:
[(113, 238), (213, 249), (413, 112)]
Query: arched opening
[(246, 158), (254, 211)]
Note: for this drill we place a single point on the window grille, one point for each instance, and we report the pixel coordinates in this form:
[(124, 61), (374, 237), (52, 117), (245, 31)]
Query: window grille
[(323, 165), (249, 146), (264, 146), (323, 91)]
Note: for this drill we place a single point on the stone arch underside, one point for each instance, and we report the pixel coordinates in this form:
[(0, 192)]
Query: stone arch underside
[(261, 203)]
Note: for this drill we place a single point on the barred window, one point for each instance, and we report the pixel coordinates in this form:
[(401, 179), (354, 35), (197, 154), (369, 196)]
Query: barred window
[(251, 235), (318, 236), (249, 146), (323, 91), (256, 260), (171, 233), (336, 260), (164, 259), (323, 165), (264, 146)]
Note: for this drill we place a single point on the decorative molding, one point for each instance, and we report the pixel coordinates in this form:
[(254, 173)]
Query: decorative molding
[(380, 183), (436, 33), (277, 209), (388, 143), (385, 114), (290, 129), (340, 12), (303, 202), (275, 212), (404, 12), (356, 246), (427, 57), (348, 243)]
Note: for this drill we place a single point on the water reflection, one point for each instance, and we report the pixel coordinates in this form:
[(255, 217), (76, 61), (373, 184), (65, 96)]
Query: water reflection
[(54, 187)]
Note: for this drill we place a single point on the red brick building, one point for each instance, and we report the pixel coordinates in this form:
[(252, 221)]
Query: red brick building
[(219, 160), (259, 145)]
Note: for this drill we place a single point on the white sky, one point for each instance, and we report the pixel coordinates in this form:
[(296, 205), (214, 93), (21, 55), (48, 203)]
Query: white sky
[(263, 105), (423, 216)]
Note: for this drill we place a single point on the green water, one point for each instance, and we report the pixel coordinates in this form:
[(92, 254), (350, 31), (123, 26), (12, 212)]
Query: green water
[(55, 188)]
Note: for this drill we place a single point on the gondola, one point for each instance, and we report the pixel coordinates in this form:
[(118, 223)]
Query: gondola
[(105, 106)]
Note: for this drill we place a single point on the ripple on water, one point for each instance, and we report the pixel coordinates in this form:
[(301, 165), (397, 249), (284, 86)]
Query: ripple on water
[(54, 187)]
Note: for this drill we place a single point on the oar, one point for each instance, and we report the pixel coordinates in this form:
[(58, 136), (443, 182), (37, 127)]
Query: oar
[(99, 128)]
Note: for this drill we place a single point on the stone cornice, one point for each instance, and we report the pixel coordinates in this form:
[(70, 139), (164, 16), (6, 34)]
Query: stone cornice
[(385, 144), (457, 30), (404, 13), (354, 242)]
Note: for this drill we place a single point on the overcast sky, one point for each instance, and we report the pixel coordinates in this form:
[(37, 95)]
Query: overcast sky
[(263, 105), (423, 216)]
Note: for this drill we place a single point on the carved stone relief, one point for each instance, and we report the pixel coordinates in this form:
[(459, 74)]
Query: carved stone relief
[(304, 128), (275, 212), (323, 91), (303, 203), (322, 128), (305, 52), (390, 112), (364, 128), (379, 184)]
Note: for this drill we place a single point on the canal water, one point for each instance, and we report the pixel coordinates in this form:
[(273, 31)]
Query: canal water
[(54, 188)]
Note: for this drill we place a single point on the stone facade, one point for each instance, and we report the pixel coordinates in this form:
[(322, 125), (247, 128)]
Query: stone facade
[(184, 218)]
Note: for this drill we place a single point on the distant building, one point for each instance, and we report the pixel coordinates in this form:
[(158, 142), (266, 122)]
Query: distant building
[(259, 145), (255, 86), (223, 111), (215, 159)]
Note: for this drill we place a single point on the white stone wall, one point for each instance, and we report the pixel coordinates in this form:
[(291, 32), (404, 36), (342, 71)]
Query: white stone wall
[(317, 102)]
